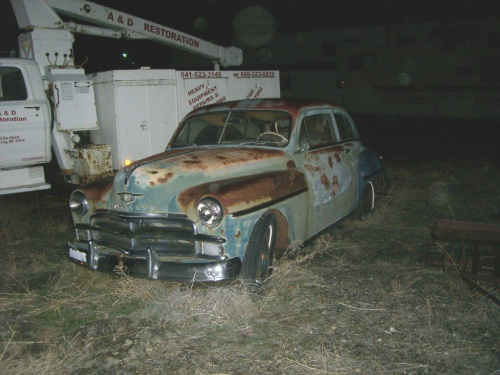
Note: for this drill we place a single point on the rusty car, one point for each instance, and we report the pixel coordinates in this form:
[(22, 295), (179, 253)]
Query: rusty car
[(238, 182)]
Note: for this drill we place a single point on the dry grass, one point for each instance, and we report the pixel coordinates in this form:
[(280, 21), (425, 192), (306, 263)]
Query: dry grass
[(363, 298)]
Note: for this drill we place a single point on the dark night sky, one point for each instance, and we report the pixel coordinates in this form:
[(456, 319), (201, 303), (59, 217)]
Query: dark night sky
[(218, 17), (288, 16)]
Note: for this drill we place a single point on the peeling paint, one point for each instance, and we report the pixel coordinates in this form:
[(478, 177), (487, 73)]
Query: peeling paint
[(335, 186), (307, 191), (326, 182), (329, 178), (243, 193), (165, 178), (97, 190)]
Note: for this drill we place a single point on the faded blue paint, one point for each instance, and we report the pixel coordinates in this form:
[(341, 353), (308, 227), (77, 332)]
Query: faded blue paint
[(302, 188), (370, 167)]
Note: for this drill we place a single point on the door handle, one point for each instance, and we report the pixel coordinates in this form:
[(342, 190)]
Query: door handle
[(37, 107)]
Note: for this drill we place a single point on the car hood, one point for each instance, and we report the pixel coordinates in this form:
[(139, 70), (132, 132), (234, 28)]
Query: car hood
[(158, 184)]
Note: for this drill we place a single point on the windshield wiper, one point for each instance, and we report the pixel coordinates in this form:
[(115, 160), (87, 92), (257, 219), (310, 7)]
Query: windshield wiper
[(178, 145), (260, 143)]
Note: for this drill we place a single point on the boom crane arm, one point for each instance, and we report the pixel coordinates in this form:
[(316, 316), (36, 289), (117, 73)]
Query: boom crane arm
[(44, 14)]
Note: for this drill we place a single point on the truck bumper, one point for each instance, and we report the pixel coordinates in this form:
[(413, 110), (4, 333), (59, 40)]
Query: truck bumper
[(151, 264)]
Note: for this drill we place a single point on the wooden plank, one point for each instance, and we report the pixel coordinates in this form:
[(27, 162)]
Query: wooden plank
[(467, 232)]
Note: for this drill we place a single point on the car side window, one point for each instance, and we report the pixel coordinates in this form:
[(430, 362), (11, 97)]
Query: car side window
[(317, 130), (345, 127), (12, 85)]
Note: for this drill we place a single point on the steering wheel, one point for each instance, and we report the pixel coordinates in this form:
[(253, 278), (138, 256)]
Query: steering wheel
[(281, 137)]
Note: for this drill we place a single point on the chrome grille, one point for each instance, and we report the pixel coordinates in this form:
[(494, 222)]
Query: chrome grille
[(168, 234)]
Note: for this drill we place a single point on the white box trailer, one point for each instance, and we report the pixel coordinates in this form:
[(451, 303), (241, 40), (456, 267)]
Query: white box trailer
[(199, 88), (139, 110), (134, 109)]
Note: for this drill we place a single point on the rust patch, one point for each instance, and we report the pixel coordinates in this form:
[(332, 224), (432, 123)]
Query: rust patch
[(326, 182), (98, 160), (238, 236), (337, 157), (242, 193), (152, 183), (313, 168), (335, 186), (95, 190), (330, 162), (290, 164), (214, 159), (153, 172), (157, 157), (165, 178)]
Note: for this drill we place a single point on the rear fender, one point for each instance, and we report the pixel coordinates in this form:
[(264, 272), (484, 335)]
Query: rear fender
[(370, 168)]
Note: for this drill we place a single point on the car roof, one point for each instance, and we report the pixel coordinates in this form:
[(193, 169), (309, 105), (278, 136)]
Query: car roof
[(293, 106)]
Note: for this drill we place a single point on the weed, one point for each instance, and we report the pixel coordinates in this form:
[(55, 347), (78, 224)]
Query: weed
[(399, 288)]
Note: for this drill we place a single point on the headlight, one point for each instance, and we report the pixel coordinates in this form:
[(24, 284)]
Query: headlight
[(78, 204), (210, 212)]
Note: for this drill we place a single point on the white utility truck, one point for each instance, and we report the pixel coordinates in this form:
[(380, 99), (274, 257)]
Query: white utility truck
[(49, 103)]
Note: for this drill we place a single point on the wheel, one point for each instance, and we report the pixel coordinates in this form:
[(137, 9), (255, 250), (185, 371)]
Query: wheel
[(366, 206), (272, 134), (259, 254)]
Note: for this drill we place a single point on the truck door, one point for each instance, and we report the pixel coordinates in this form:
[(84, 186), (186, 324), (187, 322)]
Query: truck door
[(23, 132)]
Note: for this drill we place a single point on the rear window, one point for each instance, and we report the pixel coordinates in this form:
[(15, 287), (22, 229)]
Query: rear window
[(317, 130), (346, 127)]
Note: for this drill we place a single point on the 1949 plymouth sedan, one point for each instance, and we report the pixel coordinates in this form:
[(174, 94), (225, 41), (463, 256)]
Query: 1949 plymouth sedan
[(237, 182)]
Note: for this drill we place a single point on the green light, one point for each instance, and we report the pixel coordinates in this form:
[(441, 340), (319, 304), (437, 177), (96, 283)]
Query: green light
[(125, 55)]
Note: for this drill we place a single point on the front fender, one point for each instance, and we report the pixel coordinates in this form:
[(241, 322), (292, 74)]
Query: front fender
[(243, 200), (97, 193), (243, 195)]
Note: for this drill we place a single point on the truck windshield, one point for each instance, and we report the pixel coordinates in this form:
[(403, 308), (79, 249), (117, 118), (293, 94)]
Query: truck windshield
[(270, 128)]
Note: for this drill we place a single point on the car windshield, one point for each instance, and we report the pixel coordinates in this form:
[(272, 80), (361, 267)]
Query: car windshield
[(269, 128)]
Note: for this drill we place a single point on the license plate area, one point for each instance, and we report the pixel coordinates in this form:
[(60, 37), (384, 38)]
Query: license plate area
[(77, 255)]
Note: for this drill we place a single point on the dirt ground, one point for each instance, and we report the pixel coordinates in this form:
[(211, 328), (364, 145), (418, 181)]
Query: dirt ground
[(372, 297)]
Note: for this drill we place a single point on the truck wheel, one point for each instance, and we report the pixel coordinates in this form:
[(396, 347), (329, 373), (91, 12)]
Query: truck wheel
[(259, 254), (366, 206)]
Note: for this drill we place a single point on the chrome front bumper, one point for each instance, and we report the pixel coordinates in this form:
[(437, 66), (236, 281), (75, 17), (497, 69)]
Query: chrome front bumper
[(155, 246), (152, 265)]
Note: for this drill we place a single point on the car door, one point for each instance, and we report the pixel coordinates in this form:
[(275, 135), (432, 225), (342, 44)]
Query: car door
[(348, 139), (327, 164)]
